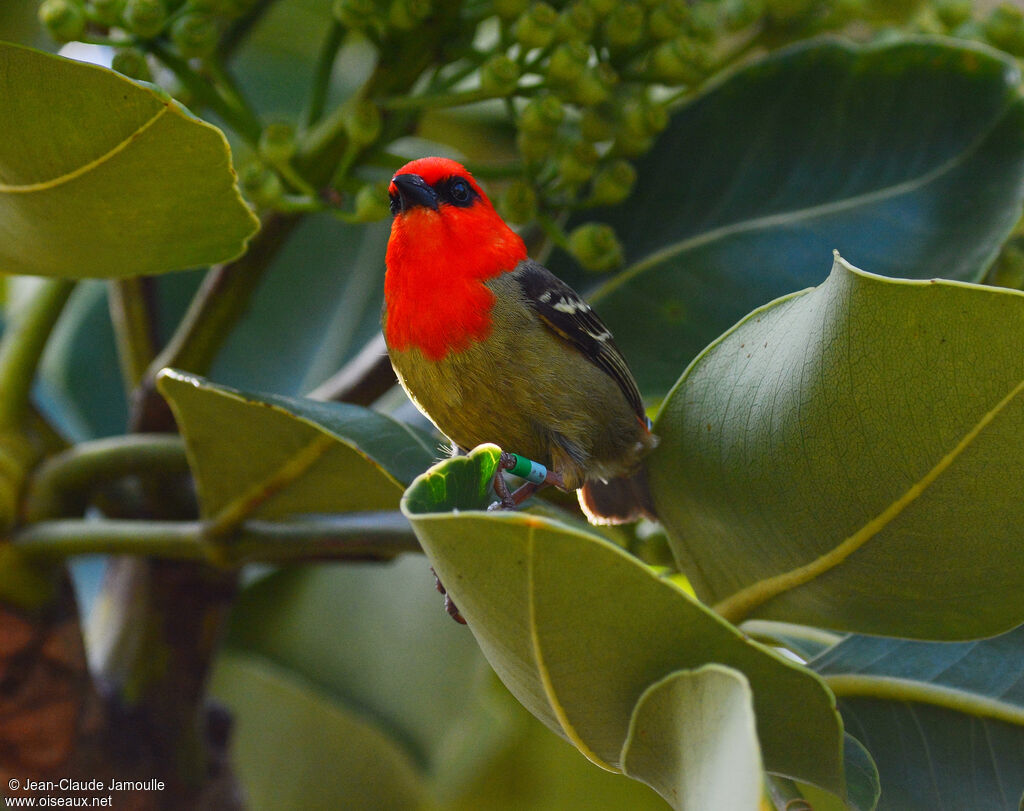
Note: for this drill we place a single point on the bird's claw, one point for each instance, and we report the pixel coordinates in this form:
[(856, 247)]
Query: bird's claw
[(449, 603)]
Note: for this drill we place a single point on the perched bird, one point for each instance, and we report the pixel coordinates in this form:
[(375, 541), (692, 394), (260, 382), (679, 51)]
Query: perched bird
[(493, 347)]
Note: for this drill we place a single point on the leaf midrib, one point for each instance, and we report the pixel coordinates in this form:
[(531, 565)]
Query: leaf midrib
[(740, 604), (893, 688), (85, 168)]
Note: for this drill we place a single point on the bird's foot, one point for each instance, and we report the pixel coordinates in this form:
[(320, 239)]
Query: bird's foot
[(449, 603), (537, 477)]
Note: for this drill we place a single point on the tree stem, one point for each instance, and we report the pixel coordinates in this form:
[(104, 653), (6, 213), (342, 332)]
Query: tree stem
[(134, 330), (348, 536), (59, 485), (22, 346)]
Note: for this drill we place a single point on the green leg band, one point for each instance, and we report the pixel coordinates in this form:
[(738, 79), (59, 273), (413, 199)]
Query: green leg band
[(528, 469)]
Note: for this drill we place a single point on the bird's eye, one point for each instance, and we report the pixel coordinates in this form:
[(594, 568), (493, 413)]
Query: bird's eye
[(459, 190)]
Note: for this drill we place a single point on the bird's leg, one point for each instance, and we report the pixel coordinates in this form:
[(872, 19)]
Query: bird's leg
[(537, 477), (449, 604)]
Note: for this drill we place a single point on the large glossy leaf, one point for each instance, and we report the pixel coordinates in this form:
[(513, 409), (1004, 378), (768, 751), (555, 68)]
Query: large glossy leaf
[(376, 637), (284, 455), (314, 309), (849, 457), (705, 719), (944, 721), (907, 157), (296, 747), (578, 629), (100, 176)]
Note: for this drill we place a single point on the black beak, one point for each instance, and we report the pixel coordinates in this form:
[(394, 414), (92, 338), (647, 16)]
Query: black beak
[(413, 191)]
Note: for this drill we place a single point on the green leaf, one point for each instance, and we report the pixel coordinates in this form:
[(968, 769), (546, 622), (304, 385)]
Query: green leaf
[(693, 739), (577, 629), (848, 457), (907, 157), (315, 308), (376, 639), (944, 721), (862, 784), (266, 456), (101, 176), (295, 747)]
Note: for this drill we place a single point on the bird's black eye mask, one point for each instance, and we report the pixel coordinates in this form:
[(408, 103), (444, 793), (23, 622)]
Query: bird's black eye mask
[(453, 190)]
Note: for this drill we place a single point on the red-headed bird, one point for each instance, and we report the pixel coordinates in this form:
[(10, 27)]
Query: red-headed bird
[(493, 347)]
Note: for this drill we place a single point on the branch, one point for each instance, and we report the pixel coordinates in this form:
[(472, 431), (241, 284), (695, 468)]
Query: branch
[(347, 536), (22, 346), (61, 483)]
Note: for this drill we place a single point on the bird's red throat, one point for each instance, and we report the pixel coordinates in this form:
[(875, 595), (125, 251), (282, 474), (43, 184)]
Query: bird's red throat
[(437, 262)]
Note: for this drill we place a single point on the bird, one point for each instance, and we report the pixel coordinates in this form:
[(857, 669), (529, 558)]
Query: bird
[(494, 348)]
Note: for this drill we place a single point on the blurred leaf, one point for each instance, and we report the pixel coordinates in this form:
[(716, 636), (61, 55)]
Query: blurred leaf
[(295, 747), (290, 456), (848, 457), (693, 739), (100, 176), (943, 721), (540, 771), (862, 784), (907, 157), (19, 22), (80, 384), (376, 639), (315, 308), (577, 629)]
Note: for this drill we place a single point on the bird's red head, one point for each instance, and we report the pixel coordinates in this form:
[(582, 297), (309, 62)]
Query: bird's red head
[(446, 240)]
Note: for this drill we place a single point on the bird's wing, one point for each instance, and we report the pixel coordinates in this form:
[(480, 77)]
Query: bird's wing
[(570, 317)]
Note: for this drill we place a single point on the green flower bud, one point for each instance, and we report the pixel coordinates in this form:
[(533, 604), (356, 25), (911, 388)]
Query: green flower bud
[(953, 13), (588, 90), (405, 15), (541, 116), (518, 202), (602, 8), (363, 123), (567, 63), (667, 19), (595, 126), (261, 185), (499, 75), (277, 142), (371, 203), (131, 62), (146, 18), (536, 26), (509, 10), (641, 117), (576, 22), (785, 10), (64, 20), (105, 12), (612, 183), (678, 61), (1005, 29), (624, 27), (631, 144), (194, 35), (356, 14), (702, 23), (741, 13), (577, 163), (595, 247), (535, 146)]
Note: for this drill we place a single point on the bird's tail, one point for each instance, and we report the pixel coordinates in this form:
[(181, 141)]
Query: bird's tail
[(617, 501)]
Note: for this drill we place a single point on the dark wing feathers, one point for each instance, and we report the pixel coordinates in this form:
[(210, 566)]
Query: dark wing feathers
[(569, 316)]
